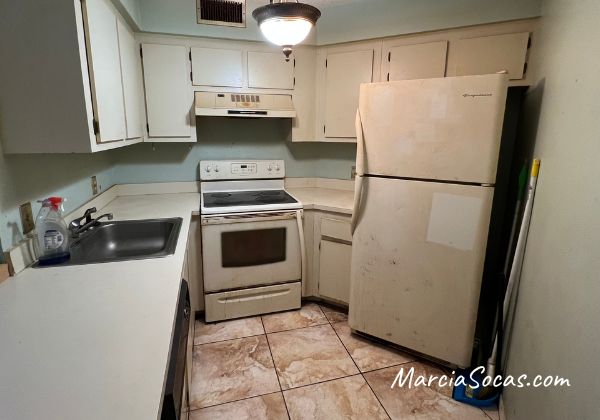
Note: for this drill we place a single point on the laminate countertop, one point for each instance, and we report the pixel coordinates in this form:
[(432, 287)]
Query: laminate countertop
[(92, 341), (325, 199)]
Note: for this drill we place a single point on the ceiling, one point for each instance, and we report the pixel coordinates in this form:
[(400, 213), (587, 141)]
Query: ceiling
[(341, 21)]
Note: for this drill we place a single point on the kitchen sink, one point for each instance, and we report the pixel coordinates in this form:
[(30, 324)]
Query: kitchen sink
[(126, 240)]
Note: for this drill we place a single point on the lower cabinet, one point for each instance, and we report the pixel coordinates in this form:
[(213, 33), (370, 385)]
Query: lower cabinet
[(329, 256), (334, 270)]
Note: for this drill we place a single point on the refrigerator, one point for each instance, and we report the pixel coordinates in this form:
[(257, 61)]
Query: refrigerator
[(427, 157)]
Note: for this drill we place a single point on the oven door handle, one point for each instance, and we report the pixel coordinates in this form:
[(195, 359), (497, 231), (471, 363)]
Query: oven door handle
[(247, 218), (302, 247)]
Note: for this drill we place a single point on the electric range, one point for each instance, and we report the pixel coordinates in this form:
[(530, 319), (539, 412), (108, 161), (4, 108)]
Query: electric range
[(253, 253)]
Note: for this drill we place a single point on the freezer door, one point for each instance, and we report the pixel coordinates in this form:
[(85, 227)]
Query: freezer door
[(442, 129), (417, 262)]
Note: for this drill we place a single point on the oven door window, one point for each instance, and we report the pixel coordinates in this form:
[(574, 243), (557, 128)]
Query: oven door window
[(253, 247)]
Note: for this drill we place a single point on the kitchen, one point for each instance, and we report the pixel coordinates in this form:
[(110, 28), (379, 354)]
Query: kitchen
[(195, 136)]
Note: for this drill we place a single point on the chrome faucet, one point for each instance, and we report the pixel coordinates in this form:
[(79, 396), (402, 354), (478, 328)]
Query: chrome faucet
[(86, 222)]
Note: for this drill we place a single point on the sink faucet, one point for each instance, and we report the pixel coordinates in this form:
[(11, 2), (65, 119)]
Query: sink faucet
[(85, 222)]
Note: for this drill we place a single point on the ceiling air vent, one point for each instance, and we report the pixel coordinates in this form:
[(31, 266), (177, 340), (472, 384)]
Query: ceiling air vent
[(222, 12)]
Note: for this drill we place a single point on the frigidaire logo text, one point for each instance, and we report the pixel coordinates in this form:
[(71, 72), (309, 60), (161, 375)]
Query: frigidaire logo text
[(475, 95)]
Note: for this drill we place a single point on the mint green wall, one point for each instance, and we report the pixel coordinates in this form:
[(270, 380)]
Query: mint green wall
[(32, 177), (345, 20), (227, 138)]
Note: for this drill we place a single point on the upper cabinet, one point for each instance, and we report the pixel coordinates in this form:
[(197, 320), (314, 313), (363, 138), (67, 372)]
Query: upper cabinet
[(89, 96), (217, 67), (169, 98), (416, 61), (491, 54), (131, 77), (105, 70), (345, 71), (269, 70)]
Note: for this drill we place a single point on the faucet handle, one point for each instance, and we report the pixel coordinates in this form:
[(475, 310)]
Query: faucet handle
[(88, 214)]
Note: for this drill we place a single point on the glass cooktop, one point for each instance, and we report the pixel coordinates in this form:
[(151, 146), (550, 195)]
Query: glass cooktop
[(247, 198)]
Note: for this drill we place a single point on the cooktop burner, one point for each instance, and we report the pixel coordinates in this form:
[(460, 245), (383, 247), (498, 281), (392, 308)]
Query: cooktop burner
[(247, 198)]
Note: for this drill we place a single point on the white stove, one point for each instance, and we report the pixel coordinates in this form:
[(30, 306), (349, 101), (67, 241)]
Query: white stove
[(244, 186), (253, 253)]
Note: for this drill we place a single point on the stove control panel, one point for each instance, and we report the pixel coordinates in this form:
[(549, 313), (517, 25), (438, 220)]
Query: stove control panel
[(221, 170)]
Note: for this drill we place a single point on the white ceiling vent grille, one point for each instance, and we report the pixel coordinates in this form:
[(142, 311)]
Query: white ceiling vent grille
[(222, 12)]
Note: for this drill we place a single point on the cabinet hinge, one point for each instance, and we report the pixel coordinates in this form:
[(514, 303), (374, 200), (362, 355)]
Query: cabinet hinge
[(294, 63), (96, 126), (141, 52), (294, 82), (388, 77), (325, 63), (191, 77), (190, 55), (389, 56), (148, 128), (324, 129)]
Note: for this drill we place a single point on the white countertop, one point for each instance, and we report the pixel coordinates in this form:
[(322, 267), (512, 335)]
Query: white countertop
[(326, 199), (92, 341)]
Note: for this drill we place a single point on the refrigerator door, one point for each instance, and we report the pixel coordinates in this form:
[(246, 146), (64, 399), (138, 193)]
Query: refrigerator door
[(440, 129), (417, 263)]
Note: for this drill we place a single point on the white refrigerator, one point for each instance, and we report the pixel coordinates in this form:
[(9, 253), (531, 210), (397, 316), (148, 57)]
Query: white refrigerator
[(427, 153)]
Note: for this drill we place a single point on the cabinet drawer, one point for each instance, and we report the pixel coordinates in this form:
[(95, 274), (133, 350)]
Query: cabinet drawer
[(254, 301), (335, 228)]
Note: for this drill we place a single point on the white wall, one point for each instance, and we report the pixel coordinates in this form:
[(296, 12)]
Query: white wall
[(557, 326)]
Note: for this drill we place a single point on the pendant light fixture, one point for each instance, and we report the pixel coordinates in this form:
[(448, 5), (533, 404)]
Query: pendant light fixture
[(286, 23)]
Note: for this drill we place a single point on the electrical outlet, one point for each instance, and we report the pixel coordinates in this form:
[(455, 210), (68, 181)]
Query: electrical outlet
[(353, 173), (27, 222), (94, 185)]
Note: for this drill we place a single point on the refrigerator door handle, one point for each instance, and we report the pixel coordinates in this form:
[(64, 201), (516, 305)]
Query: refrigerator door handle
[(360, 165)]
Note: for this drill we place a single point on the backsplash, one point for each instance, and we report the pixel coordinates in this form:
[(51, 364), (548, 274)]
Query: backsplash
[(230, 138)]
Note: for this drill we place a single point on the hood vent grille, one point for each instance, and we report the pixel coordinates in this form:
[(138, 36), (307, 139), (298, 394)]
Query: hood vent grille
[(222, 12)]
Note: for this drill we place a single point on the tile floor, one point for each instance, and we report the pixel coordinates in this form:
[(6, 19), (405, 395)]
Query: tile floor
[(307, 364)]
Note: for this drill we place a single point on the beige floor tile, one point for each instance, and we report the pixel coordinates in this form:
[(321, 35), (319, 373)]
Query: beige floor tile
[(231, 370), (346, 398), (227, 330), (367, 354), (265, 407), (334, 315), (307, 316), (419, 402), (492, 412), (309, 355)]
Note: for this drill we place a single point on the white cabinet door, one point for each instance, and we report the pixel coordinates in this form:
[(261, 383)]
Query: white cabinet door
[(491, 54), (105, 70), (216, 67), (345, 72), (270, 71), (335, 263), (168, 95), (131, 74), (418, 61)]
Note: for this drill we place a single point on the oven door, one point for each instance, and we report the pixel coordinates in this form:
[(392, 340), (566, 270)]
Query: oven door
[(250, 250)]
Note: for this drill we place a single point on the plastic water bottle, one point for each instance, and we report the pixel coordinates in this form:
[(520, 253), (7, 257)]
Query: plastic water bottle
[(52, 232)]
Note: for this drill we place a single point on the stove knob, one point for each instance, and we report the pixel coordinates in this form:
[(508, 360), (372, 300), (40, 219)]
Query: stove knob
[(269, 168), (277, 168), (208, 168), (216, 169)]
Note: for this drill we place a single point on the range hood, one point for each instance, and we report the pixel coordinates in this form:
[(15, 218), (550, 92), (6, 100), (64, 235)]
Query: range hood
[(248, 105)]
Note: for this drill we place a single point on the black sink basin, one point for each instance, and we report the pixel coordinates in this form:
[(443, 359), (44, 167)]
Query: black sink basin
[(126, 240)]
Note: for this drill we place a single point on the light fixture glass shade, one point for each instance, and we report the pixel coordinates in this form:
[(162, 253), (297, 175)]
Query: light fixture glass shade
[(286, 31)]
